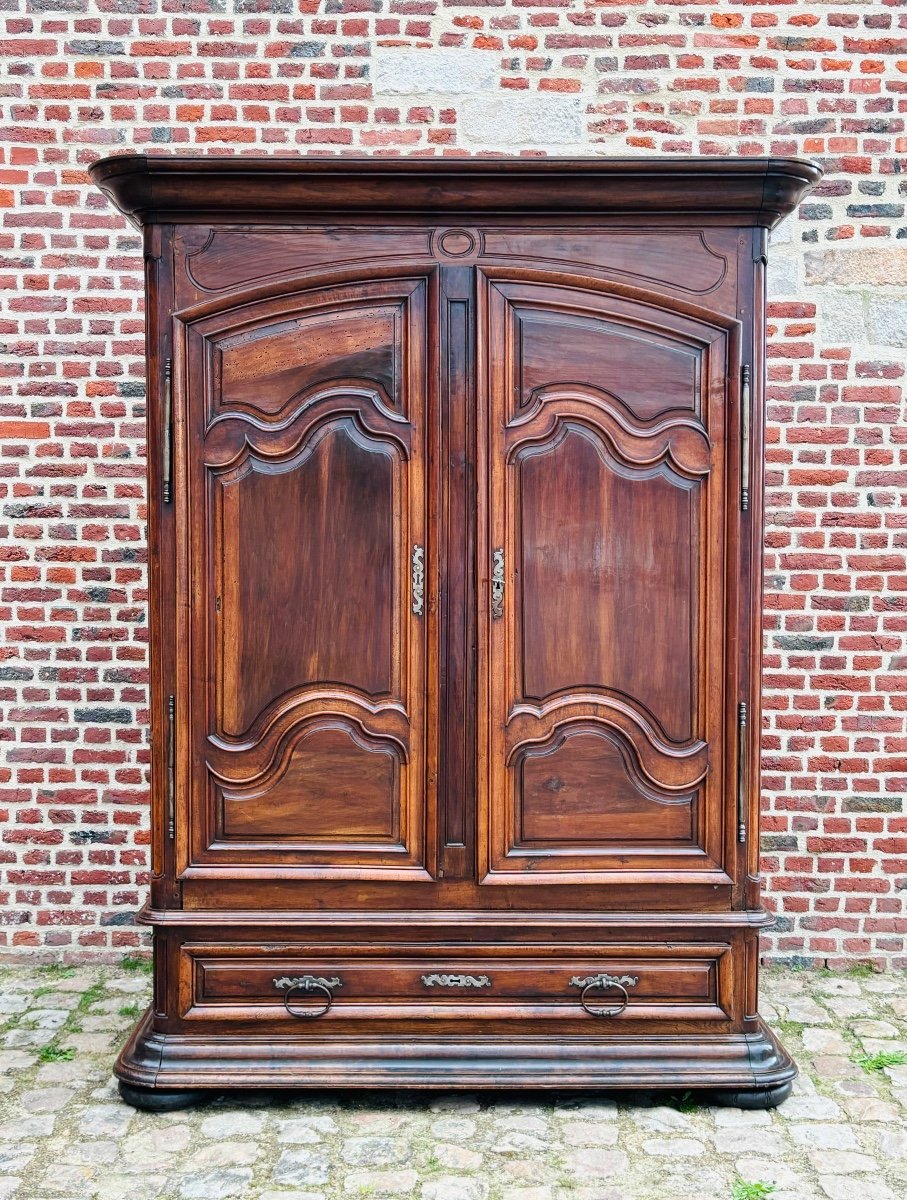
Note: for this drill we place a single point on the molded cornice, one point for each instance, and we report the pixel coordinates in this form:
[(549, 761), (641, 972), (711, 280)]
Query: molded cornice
[(718, 191)]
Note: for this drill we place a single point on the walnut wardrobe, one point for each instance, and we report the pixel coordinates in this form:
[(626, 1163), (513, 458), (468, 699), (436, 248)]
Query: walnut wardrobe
[(455, 524)]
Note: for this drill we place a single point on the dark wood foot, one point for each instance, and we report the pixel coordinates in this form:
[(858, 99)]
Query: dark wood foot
[(160, 1100), (753, 1098)]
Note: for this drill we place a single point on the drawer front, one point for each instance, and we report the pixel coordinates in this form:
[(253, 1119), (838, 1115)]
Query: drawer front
[(539, 983)]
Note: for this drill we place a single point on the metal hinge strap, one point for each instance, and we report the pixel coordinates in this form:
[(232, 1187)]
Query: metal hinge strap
[(167, 434), (741, 772), (745, 416), (171, 764)]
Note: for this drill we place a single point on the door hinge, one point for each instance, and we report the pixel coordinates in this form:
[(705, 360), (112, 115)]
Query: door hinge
[(741, 771), (171, 764), (167, 435), (745, 416)]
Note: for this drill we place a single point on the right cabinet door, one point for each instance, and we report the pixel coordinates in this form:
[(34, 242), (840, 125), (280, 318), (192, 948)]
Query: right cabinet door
[(607, 613)]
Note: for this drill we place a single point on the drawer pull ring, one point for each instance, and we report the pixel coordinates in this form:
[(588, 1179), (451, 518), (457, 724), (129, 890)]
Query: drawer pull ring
[(467, 981), (307, 983), (591, 982)]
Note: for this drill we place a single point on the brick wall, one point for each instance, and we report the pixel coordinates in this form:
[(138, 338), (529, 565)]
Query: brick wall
[(86, 78)]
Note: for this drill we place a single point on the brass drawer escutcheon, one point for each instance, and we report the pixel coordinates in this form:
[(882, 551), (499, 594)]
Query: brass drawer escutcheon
[(466, 981)]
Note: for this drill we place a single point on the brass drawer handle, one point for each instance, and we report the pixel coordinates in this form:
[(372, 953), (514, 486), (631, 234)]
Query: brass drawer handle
[(307, 983), (604, 982), (467, 981)]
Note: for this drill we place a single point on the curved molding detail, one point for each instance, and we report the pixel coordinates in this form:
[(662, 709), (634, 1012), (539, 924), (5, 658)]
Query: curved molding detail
[(308, 251), (183, 239), (265, 775), (688, 761), (366, 391), (286, 712), (691, 328), (711, 284), (655, 790), (677, 437), (226, 454), (612, 698)]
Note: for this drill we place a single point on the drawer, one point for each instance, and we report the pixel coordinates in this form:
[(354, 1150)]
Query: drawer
[(424, 984)]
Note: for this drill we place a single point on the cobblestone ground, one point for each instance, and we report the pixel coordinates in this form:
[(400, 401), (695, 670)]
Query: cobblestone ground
[(64, 1134)]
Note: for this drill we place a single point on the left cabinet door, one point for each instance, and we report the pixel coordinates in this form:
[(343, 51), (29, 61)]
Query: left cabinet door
[(305, 717)]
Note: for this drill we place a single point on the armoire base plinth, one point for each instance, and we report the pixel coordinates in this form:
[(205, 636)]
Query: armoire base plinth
[(752, 1099), (160, 1100), (750, 1070)]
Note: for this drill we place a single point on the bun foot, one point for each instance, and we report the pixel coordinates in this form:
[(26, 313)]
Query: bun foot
[(753, 1099), (160, 1100)]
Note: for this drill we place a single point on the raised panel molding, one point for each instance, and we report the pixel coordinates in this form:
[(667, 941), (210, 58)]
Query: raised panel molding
[(231, 258), (662, 765), (265, 357), (241, 446), (239, 555), (652, 371), (585, 784), (295, 359), (675, 437), (311, 413), (344, 788), (684, 260), (606, 453), (658, 791), (680, 259)]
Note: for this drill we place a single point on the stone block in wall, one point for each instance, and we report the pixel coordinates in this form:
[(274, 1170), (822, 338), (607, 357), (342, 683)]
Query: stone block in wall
[(783, 234), (783, 276), (886, 266), (400, 71), (888, 321), (841, 318), (522, 119)]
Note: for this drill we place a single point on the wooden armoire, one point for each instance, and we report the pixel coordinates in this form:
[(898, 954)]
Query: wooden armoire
[(455, 525)]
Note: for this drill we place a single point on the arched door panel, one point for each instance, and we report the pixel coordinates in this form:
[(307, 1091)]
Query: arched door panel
[(310, 723), (605, 545)]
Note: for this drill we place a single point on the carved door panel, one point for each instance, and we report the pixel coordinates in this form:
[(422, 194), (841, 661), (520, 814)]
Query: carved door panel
[(604, 635), (310, 711)]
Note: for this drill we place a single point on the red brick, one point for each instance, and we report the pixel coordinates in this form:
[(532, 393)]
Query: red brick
[(73, 596)]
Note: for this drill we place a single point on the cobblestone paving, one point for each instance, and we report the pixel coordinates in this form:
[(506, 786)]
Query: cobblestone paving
[(65, 1135)]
